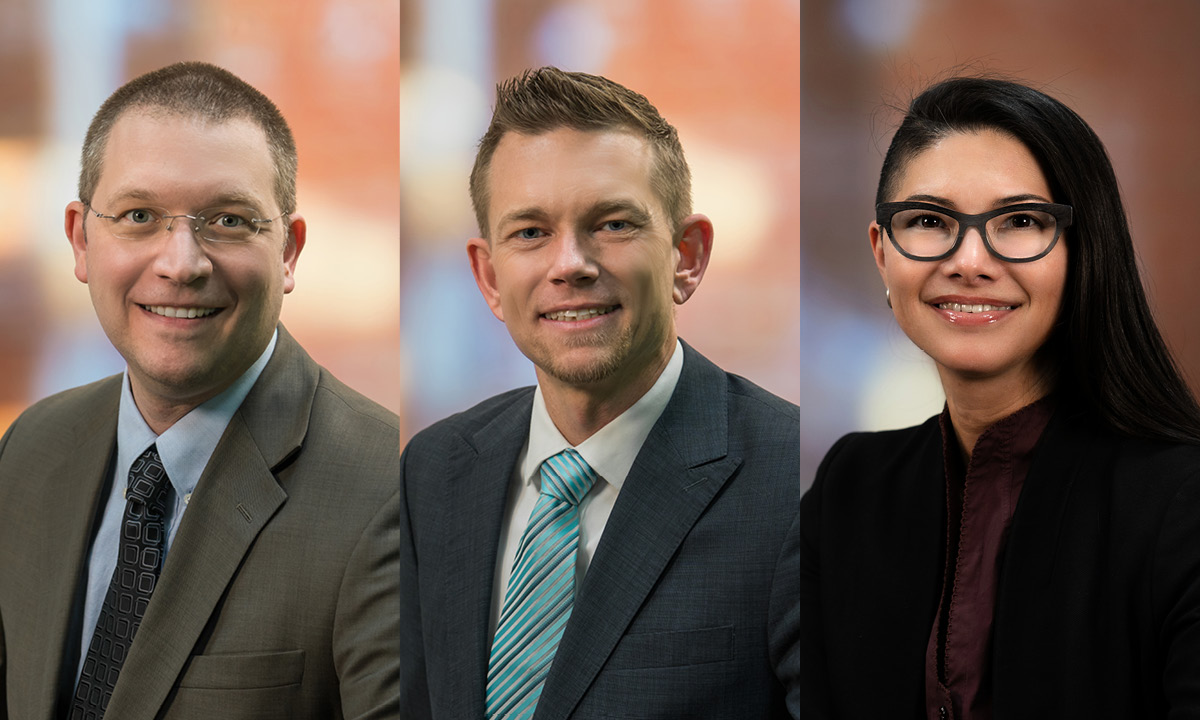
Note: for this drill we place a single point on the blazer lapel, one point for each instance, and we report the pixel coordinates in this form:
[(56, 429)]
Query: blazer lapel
[(680, 468), (236, 496), (1055, 503), (476, 496), (84, 473)]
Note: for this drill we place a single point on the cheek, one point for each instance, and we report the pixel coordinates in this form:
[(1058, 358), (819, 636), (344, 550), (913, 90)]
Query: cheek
[(250, 273), (112, 273)]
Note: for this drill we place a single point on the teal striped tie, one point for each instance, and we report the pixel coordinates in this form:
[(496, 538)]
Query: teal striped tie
[(541, 591)]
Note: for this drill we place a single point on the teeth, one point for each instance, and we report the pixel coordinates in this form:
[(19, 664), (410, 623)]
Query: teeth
[(576, 315), (180, 312), (959, 307)]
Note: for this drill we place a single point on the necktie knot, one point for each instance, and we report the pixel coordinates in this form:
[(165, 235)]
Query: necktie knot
[(567, 476), (147, 477)]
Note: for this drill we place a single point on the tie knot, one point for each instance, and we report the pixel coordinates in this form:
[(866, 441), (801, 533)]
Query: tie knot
[(567, 476), (147, 477)]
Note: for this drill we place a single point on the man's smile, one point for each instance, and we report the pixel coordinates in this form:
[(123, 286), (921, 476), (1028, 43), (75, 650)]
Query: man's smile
[(579, 314), (180, 312)]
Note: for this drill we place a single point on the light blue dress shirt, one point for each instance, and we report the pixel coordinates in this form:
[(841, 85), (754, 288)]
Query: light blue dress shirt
[(185, 448)]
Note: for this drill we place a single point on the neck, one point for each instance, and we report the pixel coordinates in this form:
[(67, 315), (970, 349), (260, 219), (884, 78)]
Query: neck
[(975, 404), (161, 411), (578, 411)]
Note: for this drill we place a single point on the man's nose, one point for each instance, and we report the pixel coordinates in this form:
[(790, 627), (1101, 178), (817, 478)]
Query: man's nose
[(181, 256), (574, 259)]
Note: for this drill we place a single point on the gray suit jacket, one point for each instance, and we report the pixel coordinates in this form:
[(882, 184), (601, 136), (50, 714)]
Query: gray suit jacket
[(689, 606), (278, 598)]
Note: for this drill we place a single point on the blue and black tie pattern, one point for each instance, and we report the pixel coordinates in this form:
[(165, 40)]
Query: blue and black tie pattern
[(143, 534), (541, 591)]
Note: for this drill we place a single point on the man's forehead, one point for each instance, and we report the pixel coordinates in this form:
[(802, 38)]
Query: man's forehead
[(590, 154), (152, 152)]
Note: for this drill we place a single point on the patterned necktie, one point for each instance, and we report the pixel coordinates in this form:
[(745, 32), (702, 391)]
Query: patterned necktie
[(143, 532), (540, 591)]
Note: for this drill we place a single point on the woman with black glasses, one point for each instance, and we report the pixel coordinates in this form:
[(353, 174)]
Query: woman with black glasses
[(1034, 551)]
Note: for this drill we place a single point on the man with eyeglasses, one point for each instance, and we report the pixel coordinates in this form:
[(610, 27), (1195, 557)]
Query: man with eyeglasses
[(213, 533)]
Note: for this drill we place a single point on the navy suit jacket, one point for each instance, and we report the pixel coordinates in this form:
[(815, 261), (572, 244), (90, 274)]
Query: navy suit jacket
[(689, 608), (1098, 603)]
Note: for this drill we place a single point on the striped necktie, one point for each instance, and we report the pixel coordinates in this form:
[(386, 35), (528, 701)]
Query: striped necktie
[(541, 591)]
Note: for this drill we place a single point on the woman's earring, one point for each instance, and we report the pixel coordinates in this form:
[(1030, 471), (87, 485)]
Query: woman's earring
[(887, 293)]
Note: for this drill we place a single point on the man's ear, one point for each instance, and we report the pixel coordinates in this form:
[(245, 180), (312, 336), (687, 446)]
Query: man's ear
[(297, 233), (479, 251), (73, 225), (692, 252)]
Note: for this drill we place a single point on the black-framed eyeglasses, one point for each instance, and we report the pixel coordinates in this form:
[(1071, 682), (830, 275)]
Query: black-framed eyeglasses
[(219, 224), (1015, 233)]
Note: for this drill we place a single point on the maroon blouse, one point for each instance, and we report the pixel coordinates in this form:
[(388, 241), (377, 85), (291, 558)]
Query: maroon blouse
[(980, 500)]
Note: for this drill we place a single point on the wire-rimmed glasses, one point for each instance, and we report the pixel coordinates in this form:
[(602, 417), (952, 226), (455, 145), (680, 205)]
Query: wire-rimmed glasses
[(227, 224), (1014, 233)]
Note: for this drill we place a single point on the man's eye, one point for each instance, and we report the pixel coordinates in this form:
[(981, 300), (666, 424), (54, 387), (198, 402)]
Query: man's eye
[(529, 233), (616, 225), (229, 220), (140, 216)]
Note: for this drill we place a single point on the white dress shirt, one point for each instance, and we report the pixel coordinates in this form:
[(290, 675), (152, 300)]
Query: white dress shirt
[(610, 451), (185, 449)]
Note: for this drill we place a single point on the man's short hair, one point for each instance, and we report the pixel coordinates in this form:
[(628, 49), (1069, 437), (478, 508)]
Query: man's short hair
[(547, 98), (198, 90)]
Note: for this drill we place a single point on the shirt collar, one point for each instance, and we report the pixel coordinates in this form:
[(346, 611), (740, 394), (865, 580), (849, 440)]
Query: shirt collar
[(186, 446), (611, 450)]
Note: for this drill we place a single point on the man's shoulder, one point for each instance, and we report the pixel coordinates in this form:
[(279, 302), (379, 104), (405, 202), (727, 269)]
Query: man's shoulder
[(345, 426), (753, 399), (334, 396), (749, 405), (466, 424), (315, 402), (71, 409)]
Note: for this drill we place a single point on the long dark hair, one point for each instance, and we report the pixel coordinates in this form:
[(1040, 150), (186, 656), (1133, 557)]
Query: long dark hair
[(1105, 350)]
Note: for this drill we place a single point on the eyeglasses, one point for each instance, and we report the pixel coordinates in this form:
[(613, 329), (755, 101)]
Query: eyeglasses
[(1016, 233), (219, 224)]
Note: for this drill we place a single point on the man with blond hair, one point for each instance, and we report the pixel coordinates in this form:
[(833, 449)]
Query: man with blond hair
[(621, 539)]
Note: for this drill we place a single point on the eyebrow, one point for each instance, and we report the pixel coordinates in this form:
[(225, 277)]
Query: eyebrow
[(534, 214), (1009, 200), (637, 213)]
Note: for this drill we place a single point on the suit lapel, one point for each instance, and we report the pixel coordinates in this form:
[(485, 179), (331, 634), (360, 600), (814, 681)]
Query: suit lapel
[(476, 496), (680, 468), (84, 473), (236, 496)]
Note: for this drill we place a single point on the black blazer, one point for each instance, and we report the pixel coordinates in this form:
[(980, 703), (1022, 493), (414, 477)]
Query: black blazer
[(1098, 603), (689, 608)]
